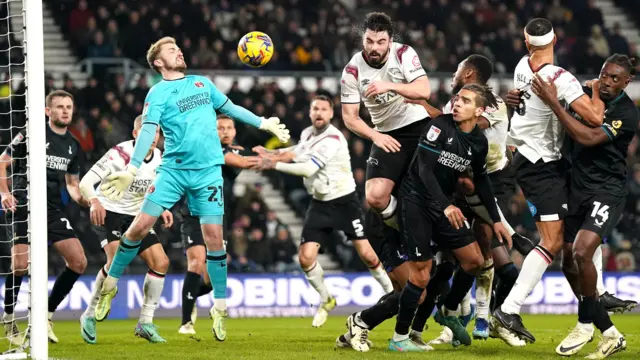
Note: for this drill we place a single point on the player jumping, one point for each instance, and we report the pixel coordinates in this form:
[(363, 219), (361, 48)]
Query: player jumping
[(449, 146), (322, 158), (62, 170), (184, 106), (196, 280), (382, 76), (540, 169), (597, 193), (113, 218)]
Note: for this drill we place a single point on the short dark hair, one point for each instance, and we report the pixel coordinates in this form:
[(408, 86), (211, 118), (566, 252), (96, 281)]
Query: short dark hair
[(221, 116), (482, 65), (624, 61), (484, 95), (323, 97), (56, 94), (377, 22), (538, 27)]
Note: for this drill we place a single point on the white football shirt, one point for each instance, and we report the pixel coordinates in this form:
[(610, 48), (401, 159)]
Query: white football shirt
[(330, 151), (496, 133), (535, 129), (116, 159), (388, 111)]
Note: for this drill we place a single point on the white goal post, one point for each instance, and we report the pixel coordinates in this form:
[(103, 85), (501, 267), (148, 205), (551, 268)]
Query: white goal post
[(36, 345)]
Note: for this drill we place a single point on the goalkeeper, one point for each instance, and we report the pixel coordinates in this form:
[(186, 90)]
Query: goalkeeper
[(185, 109)]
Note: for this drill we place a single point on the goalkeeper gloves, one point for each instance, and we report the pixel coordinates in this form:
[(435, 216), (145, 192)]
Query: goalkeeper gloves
[(116, 184), (273, 126)]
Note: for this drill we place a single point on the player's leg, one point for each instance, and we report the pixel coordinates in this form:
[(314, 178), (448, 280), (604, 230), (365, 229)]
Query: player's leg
[(152, 252), (484, 282), (468, 253), (610, 302), (544, 186), (506, 273), (417, 229), (350, 221), (75, 260), (13, 281), (166, 190), (196, 258)]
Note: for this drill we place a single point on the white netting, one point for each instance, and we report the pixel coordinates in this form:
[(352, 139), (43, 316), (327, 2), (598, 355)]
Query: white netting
[(12, 123)]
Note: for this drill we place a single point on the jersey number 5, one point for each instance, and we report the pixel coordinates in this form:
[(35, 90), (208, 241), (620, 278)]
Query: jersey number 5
[(216, 191), (358, 228), (600, 210)]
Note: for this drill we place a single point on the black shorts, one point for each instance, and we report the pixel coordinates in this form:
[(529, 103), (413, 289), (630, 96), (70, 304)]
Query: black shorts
[(58, 226), (544, 186), (385, 241), (115, 225), (394, 166), (423, 228), (503, 183), (341, 214), (598, 213), (191, 232)]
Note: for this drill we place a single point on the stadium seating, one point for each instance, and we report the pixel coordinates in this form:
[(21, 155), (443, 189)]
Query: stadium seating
[(318, 37)]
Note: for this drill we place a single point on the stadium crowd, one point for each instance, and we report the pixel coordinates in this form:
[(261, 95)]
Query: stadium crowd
[(315, 37)]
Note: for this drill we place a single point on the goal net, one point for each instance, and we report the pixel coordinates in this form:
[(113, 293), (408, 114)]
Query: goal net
[(24, 315)]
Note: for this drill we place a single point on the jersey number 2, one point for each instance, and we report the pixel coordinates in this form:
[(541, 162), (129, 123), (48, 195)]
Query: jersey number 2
[(64, 220), (215, 190)]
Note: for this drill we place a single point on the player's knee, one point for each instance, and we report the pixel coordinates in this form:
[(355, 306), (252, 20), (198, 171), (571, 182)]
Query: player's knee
[(20, 265), (377, 197), (78, 264), (306, 260), (582, 255), (473, 265), (196, 265), (160, 264)]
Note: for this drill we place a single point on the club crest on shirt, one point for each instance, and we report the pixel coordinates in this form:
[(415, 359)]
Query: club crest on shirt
[(616, 124), (199, 84), (433, 133)]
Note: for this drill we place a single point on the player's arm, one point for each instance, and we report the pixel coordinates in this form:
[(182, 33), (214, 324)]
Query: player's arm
[(18, 148), (109, 163), (323, 151), (221, 103), (583, 134), (570, 90), (117, 183), (431, 110), (283, 155), (417, 86), (241, 162), (72, 179)]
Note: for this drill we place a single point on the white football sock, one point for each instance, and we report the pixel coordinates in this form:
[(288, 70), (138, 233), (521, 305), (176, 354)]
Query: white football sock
[(220, 304), (315, 276), (597, 261), (381, 276), (95, 293), (153, 285), (399, 337), (484, 283), (533, 267), (465, 304), (479, 209), (108, 284), (389, 213), (611, 332)]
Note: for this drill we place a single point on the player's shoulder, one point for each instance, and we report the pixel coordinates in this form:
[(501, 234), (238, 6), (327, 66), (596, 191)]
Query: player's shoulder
[(334, 132), (196, 79), (305, 134), (437, 125), (399, 49), (126, 146), (71, 139), (629, 108), (352, 67)]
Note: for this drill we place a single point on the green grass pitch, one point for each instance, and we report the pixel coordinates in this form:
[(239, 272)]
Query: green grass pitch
[(294, 338)]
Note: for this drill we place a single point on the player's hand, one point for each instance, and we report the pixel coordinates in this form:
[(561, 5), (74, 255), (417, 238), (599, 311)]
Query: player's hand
[(378, 87), (386, 142), (116, 185), (546, 90), (595, 86), (455, 216), (273, 126), (513, 98), (266, 163), (9, 202), (97, 213), (589, 83), (167, 219), (502, 234), (252, 162), (260, 150)]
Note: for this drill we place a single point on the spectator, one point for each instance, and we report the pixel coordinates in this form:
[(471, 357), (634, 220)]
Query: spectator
[(598, 42), (99, 48), (84, 135), (79, 17), (259, 249), (617, 43), (284, 250)]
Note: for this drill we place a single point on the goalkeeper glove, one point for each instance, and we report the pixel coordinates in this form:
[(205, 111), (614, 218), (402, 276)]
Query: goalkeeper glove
[(273, 126), (116, 184)]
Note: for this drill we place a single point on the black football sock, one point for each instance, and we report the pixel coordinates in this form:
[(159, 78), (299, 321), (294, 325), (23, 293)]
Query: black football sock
[(204, 288), (386, 308), (408, 305), (11, 289), (462, 283), (426, 308), (190, 288), (507, 276), (62, 287)]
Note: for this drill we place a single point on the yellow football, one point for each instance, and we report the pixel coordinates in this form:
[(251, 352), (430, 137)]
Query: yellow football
[(255, 49)]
